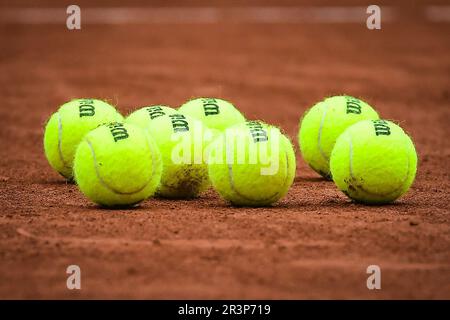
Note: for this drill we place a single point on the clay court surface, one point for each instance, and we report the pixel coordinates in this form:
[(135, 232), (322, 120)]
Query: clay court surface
[(315, 243)]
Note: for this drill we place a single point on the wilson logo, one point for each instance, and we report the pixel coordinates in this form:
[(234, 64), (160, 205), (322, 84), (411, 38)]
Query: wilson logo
[(179, 123), (353, 105), (381, 128), (257, 131), (210, 107), (155, 112), (87, 108), (118, 131)]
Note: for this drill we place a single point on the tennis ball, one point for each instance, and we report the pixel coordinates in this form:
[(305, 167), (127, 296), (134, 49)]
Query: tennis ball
[(323, 123), (374, 162), (67, 126), (117, 165), (252, 164), (144, 116), (214, 113), (180, 140)]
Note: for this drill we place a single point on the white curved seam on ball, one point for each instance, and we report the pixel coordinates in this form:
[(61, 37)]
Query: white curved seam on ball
[(350, 156), (363, 189), (153, 156), (286, 179), (60, 153), (322, 121), (230, 175), (233, 187), (405, 179), (97, 173), (230, 170)]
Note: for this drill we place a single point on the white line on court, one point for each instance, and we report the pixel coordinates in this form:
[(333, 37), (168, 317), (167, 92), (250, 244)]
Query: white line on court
[(202, 15), (209, 15), (438, 13)]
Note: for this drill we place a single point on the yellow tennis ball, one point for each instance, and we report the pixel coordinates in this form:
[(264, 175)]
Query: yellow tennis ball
[(181, 141), (67, 126), (252, 164), (374, 162), (143, 117), (215, 113), (323, 123), (117, 165)]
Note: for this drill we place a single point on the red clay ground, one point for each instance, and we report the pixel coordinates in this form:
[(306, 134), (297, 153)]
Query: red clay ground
[(313, 244)]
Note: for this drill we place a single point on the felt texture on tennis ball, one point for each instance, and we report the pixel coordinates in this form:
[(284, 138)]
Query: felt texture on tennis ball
[(67, 127), (215, 113), (143, 117), (323, 124), (252, 164), (374, 162), (117, 165), (180, 141)]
